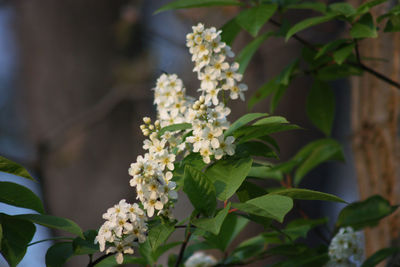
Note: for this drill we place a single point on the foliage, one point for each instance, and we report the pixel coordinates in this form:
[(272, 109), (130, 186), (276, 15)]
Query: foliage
[(212, 181)]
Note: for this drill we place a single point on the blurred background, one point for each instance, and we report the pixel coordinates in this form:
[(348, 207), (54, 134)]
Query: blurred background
[(76, 79)]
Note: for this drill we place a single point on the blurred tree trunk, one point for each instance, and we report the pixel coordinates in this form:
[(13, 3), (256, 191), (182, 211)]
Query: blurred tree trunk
[(375, 110)]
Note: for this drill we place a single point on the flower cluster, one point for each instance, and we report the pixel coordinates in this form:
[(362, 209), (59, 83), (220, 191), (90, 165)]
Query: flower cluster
[(152, 172), (199, 259), (345, 248), (125, 225), (214, 72)]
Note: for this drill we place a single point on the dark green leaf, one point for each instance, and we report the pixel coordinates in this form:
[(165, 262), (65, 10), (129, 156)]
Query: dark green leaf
[(254, 148), (248, 248), (365, 213), (331, 46), (302, 25), (58, 254), (364, 28), (379, 256), (20, 196), (229, 31), (200, 190), (174, 127), (159, 234), (164, 248), (335, 72), (232, 226), (228, 174), (146, 252), (11, 167), (342, 54), (265, 172), (196, 3), (271, 119), (270, 206), (393, 24), (257, 131), (365, 7), (245, 119), (252, 19), (244, 57), (317, 6), (342, 8), (263, 92), (83, 246), (285, 76), (300, 227), (306, 194), (321, 106), (316, 153), (213, 225), (249, 190), (16, 235), (54, 222)]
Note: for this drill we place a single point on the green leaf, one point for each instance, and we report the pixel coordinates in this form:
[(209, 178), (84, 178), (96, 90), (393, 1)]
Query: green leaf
[(58, 254), (270, 206), (245, 119), (365, 213), (11, 167), (302, 25), (316, 153), (54, 222), (342, 54), (200, 190), (258, 131), (271, 119), (331, 46), (179, 4), (19, 196), (300, 227), (159, 234), (263, 92), (379, 256), (244, 57), (254, 148), (83, 246), (365, 7), (252, 19), (164, 248), (316, 6), (228, 174), (213, 225), (285, 76), (248, 248), (175, 127), (265, 172), (364, 28), (342, 8), (306, 194), (231, 226), (393, 24), (249, 190), (229, 31), (335, 72), (321, 106), (146, 252), (16, 235)]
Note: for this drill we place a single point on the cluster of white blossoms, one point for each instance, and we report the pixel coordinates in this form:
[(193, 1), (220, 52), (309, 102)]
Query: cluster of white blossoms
[(152, 172), (214, 72), (345, 249), (125, 225), (199, 259)]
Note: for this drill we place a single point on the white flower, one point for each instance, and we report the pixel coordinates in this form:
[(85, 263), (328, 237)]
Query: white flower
[(345, 248), (199, 259)]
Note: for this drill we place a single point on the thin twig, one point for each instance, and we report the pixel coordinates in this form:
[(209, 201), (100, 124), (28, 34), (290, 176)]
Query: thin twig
[(91, 264), (183, 247), (358, 64)]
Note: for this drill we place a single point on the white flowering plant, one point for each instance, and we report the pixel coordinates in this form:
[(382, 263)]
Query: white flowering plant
[(192, 147)]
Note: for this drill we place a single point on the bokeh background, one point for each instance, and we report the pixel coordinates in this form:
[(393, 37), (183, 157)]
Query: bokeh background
[(75, 82)]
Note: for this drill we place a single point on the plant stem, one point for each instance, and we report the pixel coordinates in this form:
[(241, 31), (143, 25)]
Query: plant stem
[(183, 246), (359, 64), (91, 264)]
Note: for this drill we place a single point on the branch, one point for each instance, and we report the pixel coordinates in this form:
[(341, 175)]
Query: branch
[(92, 264), (359, 64), (183, 247)]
